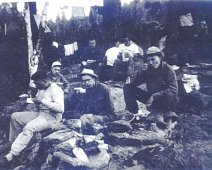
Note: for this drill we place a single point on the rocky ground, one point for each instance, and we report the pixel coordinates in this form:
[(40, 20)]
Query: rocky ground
[(126, 145)]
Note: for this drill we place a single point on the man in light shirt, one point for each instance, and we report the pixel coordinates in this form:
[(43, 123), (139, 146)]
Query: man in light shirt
[(107, 68), (129, 52), (50, 102), (112, 53)]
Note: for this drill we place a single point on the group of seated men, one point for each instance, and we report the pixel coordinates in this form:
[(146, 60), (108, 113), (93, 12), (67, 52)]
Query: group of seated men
[(119, 58), (92, 103)]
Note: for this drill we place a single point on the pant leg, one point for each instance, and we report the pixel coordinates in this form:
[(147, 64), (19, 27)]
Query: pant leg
[(133, 93), (130, 68), (18, 121), (116, 68), (164, 103), (42, 122)]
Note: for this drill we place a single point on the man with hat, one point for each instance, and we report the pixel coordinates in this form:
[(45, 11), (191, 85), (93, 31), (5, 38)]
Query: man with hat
[(160, 95), (50, 102), (94, 102), (56, 77)]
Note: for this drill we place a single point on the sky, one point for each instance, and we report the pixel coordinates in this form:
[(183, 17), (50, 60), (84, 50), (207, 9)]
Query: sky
[(54, 6)]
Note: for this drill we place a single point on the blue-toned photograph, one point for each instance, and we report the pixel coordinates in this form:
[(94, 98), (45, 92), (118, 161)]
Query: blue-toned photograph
[(105, 84)]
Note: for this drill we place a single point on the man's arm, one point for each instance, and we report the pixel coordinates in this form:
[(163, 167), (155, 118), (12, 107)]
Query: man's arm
[(57, 103), (139, 78), (171, 83), (65, 83), (106, 102)]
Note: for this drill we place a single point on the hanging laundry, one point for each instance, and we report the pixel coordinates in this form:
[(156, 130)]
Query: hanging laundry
[(70, 48), (186, 20)]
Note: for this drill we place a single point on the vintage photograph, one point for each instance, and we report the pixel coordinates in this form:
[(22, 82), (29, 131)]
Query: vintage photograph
[(106, 84)]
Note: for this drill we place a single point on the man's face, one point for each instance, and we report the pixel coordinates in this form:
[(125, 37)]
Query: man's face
[(153, 61), (92, 43), (127, 42), (117, 44), (42, 84), (56, 70), (88, 81)]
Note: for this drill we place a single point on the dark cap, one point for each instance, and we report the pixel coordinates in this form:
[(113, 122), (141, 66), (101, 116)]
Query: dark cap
[(39, 75)]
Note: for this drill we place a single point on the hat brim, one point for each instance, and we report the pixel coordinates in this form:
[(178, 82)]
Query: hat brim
[(153, 54), (57, 65), (92, 75)]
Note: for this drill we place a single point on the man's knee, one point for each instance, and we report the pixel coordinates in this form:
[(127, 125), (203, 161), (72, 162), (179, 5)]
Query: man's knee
[(28, 131), (29, 128), (15, 117)]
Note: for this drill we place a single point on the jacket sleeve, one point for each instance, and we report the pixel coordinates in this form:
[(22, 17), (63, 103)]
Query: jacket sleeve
[(104, 105), (57, 103), (64, 81), (171, 83), (139, 78)]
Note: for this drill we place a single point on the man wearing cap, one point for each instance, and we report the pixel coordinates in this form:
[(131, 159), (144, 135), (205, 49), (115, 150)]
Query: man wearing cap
[(56, 77), (95, 102), (162, 89), (50, 102)]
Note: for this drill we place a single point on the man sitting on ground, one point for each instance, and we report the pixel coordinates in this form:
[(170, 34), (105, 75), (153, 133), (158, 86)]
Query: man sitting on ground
[(162, 89), (129, 50), (92, 55), (50, 100), (92, 104), (107, 68), (56, 77)]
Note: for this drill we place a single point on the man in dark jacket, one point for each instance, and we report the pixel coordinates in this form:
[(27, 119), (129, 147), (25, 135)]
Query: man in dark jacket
[(92, 103), (92, 55), (161, 84), (56, 77)]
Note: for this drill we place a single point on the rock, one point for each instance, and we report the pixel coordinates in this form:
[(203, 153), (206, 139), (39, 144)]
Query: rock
[(66, 158), (122, 153), (99, 160), (59, 136), (67, 145), (119, 126), (117, 98), (139, 138), (136, 167)]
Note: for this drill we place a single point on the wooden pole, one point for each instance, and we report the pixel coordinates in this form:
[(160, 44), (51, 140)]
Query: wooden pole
[(32, 61)]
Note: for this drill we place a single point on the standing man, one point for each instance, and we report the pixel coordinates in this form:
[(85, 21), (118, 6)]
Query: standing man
[(50, 102), (162, 88)]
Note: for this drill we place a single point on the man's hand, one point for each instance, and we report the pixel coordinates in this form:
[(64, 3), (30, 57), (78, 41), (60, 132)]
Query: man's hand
[(80, 90), (84, 63), (66, 91), (128, 80), (36, 100), (149, 102)]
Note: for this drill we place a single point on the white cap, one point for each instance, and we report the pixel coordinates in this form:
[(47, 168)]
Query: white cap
[(153, 50), (56, 63)]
